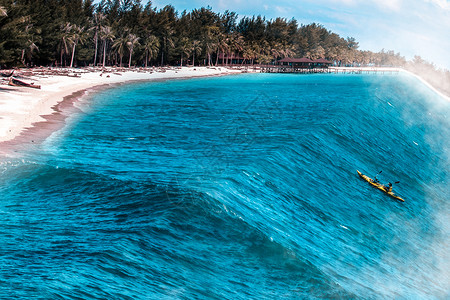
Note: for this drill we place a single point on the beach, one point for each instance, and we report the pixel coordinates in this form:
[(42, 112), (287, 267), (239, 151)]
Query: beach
[(21, 108)]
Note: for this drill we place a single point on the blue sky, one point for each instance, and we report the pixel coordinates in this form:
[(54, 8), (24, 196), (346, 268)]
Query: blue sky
[(411, 27)]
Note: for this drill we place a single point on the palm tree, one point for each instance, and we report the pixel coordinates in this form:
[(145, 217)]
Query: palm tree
[(236, 45), (120, 45), (276, 51), (185, 48), (222, 46), (167, 41), (210, 41), (106, 34), (132, 41), (151, 47), (196, 49), (30, 41), (316, 52), (248, 53), (287, 51), (257, 51), (226, 46), (98, 19), (77, 36), (65, 42)]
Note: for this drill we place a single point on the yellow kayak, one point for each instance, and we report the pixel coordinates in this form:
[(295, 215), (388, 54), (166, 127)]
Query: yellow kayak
[(379, 186)]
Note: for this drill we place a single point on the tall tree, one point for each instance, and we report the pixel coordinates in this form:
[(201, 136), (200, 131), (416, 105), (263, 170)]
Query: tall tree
[(119, 45), (185, 48), (65, 40), (210, 41), (167, 42), (30, 36), (132, 40), (77, 35), (151, 48), (99, 18), (166, 18), (196, 49), (107, 35)]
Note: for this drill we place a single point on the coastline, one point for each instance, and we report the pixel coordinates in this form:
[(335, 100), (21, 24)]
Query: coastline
[(29, 115), (425, 82)]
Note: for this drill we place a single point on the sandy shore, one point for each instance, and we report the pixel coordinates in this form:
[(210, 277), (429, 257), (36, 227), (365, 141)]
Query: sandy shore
[(21, 108), (441, 94)]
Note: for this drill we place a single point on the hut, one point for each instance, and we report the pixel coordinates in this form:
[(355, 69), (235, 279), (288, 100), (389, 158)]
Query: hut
[(321, 63), (303, 63)]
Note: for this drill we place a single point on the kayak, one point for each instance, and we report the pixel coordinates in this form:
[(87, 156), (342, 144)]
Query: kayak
[(379, 186)]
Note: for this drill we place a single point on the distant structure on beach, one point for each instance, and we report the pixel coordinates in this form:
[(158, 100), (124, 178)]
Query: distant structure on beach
[(298, 65), (304, 63)]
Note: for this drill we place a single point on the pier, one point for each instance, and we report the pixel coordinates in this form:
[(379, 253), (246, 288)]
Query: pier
[(335, 70), (289, 69)]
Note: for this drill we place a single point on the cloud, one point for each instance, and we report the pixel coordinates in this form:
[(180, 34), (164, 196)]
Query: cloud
[(394, 5), (384, 4), (282, 10), (444, 4)]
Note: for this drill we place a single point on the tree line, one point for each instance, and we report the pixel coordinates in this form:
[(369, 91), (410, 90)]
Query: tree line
[(128, 33)]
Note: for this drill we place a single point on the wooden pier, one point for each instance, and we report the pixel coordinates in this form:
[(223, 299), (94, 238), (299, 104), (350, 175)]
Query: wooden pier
[(364, 70), (335, 70), (289, 69)]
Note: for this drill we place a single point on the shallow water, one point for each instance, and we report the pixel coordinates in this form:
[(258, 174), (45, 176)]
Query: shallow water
[(236, 187)]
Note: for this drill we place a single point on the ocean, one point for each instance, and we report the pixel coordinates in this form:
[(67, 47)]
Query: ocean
[(236, 187)]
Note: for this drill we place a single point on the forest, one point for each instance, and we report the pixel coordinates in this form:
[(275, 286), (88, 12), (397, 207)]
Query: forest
[(77, 33)]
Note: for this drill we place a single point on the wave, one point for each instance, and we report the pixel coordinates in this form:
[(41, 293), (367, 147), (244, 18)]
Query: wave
[(110, 231)]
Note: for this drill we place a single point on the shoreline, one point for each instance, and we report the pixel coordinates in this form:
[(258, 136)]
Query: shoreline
[(29, 115), (430, 86)]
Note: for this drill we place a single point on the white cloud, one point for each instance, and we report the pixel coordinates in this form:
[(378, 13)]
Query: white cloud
[(394, 5), (444, 4), (389, 4), (282, 10)]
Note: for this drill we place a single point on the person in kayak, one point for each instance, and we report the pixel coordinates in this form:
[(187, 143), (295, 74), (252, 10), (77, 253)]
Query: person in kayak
[(375, 180), (388, 187)]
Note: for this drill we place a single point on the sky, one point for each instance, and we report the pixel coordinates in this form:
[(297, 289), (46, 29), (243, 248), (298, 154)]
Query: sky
[(411, 27)]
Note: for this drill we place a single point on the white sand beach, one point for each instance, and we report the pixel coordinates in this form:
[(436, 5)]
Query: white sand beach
[(21, 107)]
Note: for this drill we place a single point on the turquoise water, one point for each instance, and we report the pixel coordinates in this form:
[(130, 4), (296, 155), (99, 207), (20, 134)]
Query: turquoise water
[(239, 187)]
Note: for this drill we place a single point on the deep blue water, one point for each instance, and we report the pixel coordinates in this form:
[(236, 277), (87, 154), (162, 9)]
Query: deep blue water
[(240, 187)]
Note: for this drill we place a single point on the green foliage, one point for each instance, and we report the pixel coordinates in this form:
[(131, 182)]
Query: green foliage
[(80, 33)]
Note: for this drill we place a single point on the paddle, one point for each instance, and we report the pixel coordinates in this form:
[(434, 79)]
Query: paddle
[(375, 178)]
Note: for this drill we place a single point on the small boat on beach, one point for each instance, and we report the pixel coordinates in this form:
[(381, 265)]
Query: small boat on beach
[(379, 186), (16, 82), (7, 75)]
